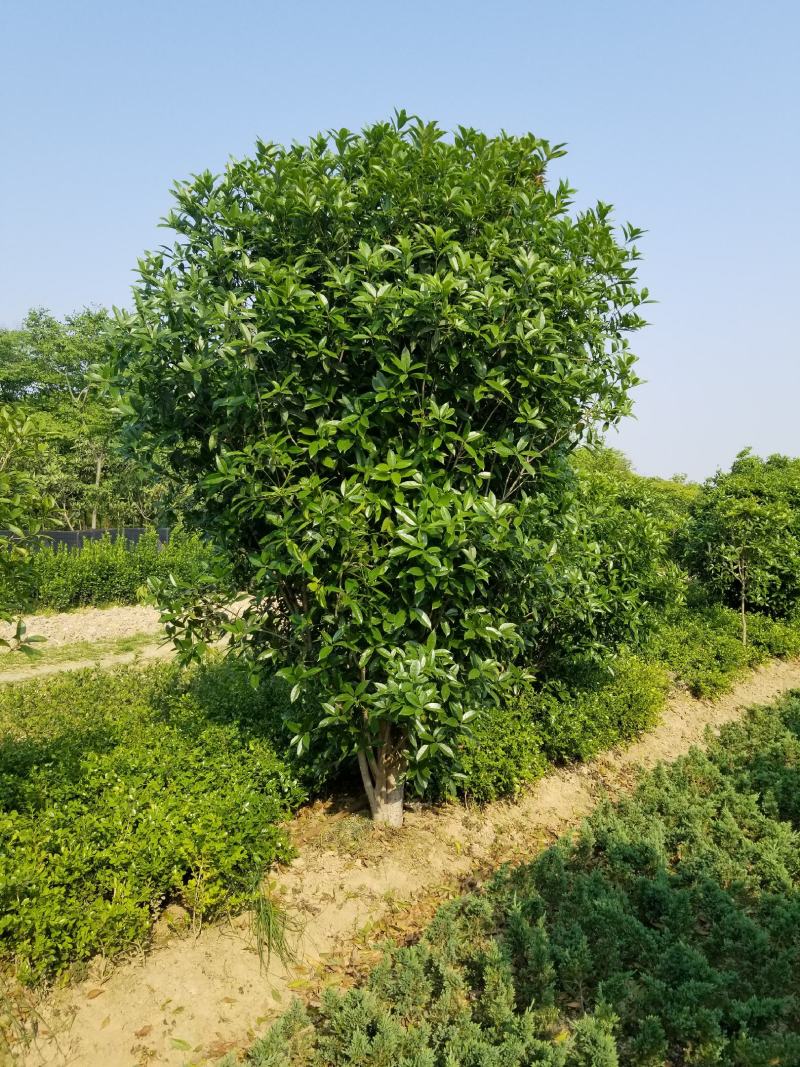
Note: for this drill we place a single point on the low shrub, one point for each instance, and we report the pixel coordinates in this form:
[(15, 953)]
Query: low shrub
[(576, 722), (502, 755), (774, 637), (121, 792), (667, 932), (105, 571), (702, 647), (593, 708), (513, 743)]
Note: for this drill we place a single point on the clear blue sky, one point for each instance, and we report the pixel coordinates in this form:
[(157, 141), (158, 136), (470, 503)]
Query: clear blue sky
[(683, 114)]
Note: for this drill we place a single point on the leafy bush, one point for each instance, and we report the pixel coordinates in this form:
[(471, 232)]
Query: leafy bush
[(578, 722), (108, 572), (511, 744), (774, 637), (367, 354), (502, 754), (119, 793), (668, 932), (605, 573), (702, 647)]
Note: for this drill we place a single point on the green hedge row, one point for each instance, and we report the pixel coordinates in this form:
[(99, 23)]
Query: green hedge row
[(104, 571), (513, 744), (700, 648), (667, 932), (121, 792), (703, 650)]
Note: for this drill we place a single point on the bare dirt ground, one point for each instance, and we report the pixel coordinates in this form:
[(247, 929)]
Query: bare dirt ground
[(196, 997), (98, 627)]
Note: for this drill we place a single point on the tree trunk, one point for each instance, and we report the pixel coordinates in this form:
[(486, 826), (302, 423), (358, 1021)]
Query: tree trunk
[(382, 772), (743, 600), (744, 616), (97, 470)]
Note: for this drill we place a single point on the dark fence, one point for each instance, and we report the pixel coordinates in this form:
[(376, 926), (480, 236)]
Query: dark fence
[(78, 538)]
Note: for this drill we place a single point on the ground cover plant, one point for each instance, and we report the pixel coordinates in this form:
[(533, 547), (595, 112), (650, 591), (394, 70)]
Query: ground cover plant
[(370, 357), (666, 931), (121, 792)]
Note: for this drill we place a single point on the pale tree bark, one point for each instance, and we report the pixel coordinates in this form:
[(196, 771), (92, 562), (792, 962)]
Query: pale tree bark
[(97, 472), (382, 772), (743, 600), (744, 617)]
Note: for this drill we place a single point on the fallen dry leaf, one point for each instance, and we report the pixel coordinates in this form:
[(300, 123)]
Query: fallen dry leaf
[(220, 1048)]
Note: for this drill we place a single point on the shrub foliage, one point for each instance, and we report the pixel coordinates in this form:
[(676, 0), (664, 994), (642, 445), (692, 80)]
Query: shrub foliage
[(120, 793), (105, 571), (368, 356)]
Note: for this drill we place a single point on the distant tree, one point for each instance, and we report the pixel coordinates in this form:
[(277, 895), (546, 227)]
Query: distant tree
[(609, 572), (24, 507), (45, 373), (365, 355), (743, 541)]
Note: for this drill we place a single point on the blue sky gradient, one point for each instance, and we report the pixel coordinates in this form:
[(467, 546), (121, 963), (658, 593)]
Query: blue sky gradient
[(683, 115)]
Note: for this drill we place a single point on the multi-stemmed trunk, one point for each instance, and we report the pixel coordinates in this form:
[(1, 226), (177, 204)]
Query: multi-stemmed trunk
[(382, 772)]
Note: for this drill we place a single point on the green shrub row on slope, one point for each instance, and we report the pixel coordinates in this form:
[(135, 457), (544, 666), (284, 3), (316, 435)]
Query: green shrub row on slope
[(668, 931), (118, 793), (103, 571), (574, 719)]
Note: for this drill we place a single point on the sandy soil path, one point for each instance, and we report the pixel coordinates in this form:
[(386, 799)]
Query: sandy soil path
[(100, 627), (92, 624), (194, 998)]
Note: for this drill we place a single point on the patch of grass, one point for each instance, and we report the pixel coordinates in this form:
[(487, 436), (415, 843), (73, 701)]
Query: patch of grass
[(273, 928), (667, 931), (77, 652)]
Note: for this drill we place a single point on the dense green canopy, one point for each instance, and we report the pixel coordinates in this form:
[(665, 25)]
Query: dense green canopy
[(368, 357)]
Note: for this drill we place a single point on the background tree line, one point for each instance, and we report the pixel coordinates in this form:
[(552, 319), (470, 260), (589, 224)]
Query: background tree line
[(45, 378)]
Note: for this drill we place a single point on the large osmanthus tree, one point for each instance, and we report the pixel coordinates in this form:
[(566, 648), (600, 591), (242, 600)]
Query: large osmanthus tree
[(368, 356)]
